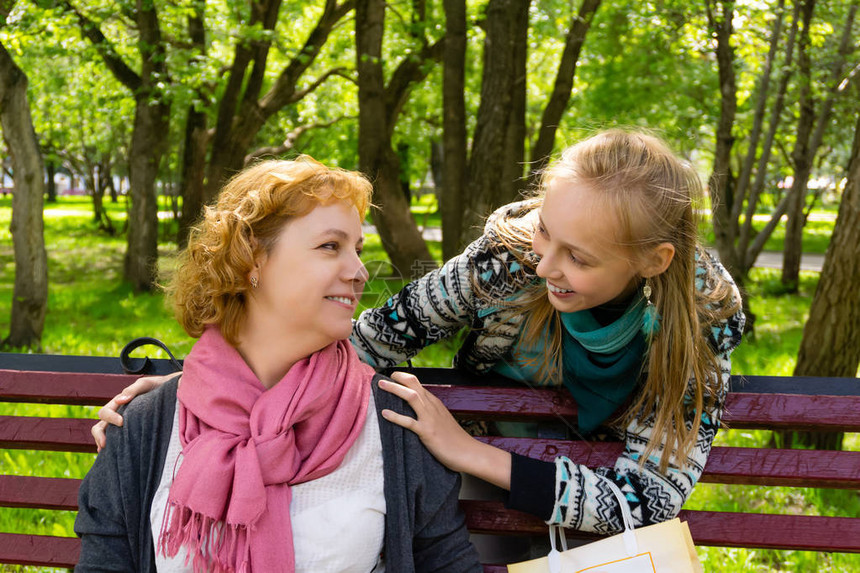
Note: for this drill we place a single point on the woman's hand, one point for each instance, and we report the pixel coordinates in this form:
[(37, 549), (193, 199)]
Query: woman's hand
[(443, 436), (108, 413)]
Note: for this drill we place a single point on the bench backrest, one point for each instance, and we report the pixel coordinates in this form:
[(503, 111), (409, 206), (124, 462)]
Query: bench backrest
[(824, 404)]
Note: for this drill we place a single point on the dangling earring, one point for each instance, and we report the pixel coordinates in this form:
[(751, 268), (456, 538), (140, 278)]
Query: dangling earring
[(254, 281), (650, 316)]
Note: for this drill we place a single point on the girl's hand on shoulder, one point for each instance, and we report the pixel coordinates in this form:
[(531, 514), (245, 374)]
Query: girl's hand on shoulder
[(443, 436), (108, 413), (435, 426)]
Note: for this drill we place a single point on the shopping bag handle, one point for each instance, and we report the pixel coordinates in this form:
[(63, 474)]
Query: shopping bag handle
[(630, 543), (628, 536), (554, 557)]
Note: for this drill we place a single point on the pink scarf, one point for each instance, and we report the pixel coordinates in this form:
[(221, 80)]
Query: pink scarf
[(243, 447)]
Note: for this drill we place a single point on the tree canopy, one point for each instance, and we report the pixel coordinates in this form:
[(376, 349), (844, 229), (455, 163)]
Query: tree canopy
[(468, 98)]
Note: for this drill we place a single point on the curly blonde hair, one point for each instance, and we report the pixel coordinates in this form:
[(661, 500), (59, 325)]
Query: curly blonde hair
[(212, 276)]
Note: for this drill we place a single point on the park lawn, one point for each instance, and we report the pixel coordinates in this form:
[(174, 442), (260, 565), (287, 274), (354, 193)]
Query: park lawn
[(92, 312), (773, 350)]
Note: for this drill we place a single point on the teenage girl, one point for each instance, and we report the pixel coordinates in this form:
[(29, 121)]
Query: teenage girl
[(597, 284)]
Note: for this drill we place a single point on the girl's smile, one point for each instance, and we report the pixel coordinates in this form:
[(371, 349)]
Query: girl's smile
[(582, 259)]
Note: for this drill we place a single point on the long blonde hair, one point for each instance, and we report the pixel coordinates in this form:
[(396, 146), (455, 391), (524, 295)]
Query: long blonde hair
[(211, 280), (651, 192)]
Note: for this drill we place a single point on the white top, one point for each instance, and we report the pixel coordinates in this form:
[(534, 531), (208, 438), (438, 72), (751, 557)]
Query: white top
[(338, 520)]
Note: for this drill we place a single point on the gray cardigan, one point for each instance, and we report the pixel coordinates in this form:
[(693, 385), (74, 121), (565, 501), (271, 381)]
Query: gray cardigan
[(425, 530)]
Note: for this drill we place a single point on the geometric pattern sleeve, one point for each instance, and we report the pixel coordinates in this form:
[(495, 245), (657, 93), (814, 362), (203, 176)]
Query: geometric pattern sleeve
[(584, 502), (427, 310), (442, 302)]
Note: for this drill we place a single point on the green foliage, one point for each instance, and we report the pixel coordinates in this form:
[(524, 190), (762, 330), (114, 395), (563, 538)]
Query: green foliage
[(644, 64)]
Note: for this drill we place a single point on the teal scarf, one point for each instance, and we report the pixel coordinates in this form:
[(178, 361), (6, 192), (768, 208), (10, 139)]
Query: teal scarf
[(601, 363)]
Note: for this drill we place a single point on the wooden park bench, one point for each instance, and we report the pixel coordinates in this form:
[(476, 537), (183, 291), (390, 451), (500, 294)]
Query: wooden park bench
[(769, 403)]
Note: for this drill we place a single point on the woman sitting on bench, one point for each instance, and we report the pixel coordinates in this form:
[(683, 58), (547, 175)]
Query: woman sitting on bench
[(267, 454)]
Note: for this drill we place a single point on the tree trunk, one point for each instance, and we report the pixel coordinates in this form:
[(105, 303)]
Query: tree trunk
[(758, 120), (151, 122), (746, 254), (803, 165), (114, 192), (562, 89), (148, 145), (194, 145), (436, 165), (720, 181), (226, 159), (800, 157), (513, 182), (103, 183), (240, 120), (829, 346), (486, 163), (148, 139), (404, 168), (242, 111), (98, 197), (378, 110), (51, 184), (30, 292), (193, 172), (454, 155)]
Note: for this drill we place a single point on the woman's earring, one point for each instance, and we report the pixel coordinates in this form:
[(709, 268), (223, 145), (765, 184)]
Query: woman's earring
[(650, 316), (254, 281)]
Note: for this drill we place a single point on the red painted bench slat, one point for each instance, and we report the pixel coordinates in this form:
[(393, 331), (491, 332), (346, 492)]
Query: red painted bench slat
[(802, 468), (725, 529), (729, 465), (792, 412), (39, 550), (743, 410), (52, 434), (780, 467), (774, 531), (39, 492), (85, 389)]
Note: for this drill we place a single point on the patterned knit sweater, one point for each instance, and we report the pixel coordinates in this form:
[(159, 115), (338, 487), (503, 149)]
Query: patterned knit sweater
[(444, 301)]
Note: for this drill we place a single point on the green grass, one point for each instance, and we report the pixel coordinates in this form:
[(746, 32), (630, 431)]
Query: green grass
[(779, 324), (816, 233), (92, 312), (773, 350), (801, 501)]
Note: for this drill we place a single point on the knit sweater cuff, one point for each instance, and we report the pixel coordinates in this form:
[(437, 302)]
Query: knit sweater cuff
[(532, 486)]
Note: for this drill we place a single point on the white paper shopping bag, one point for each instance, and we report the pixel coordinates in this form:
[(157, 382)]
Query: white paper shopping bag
[(661, 548)]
